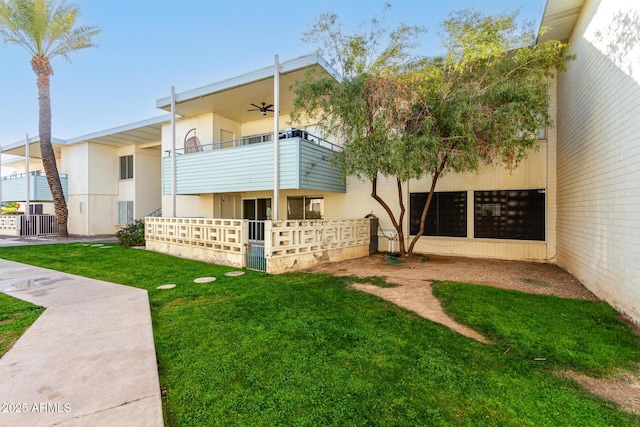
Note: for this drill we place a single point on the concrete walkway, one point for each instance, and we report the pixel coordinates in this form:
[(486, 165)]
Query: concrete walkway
[(89, 360)]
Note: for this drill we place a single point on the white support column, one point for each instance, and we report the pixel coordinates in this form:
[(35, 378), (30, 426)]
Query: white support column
[(276, 137), (27, 177), (1, 177), (173, 151)]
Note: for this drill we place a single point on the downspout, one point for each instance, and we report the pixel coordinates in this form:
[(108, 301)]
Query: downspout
[(276, 137), (27, 177)]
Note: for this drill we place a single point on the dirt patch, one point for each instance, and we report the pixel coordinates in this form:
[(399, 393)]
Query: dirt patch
[(532, 277), (414, 276), (420, 300), (622, 388)]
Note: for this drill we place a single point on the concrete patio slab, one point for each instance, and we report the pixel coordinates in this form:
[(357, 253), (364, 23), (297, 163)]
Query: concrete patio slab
[(89, 359)]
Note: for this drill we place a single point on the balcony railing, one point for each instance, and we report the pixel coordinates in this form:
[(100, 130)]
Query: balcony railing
[(14, 187), (32, 173), (258, 139), (303, 165)]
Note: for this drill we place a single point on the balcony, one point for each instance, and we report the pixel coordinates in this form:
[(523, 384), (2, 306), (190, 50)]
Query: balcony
[(246, 164), (14, 187)]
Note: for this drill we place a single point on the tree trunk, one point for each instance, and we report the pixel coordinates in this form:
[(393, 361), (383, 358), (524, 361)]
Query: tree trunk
[(42, 67), (397, 225), (423, 217)]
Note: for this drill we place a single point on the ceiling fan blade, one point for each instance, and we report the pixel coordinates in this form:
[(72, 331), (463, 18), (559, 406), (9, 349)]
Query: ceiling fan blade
[(268, 106), (257, 106), (255, 109)]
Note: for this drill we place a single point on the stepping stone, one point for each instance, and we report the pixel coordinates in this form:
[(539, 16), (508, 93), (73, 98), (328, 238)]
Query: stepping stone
[(97, 245), (205, 280), (234, 273), (166, 287), (106, 247)]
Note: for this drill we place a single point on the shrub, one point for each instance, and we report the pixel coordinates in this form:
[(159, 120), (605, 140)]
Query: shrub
[(132, 234)]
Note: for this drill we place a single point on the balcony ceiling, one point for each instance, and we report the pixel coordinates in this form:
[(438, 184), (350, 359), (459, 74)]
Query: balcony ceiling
[(560, 17), (232, 98), (146, 132), (18, 149)]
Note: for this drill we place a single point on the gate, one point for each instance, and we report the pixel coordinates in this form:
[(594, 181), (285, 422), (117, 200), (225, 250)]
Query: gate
[(254, 257), (38, 225)]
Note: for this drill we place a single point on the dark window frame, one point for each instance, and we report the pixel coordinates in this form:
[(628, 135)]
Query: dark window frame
[(126, 167), (510, 214), (446, 217), (304, 212)]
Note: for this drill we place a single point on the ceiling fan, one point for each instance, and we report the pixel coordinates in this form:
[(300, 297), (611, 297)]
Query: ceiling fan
[(262, 109)]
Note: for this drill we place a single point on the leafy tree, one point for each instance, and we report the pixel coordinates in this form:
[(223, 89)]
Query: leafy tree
[(407, 117), (46, 29), (8, 208)]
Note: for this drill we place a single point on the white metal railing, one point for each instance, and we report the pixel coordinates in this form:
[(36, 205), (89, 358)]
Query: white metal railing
[(28, 225), (292, 237), (24, 175), (38, 225), (258, 139)]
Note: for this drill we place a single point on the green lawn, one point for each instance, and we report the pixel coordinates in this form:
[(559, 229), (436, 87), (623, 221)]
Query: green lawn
[(305, 349), (15, 317)]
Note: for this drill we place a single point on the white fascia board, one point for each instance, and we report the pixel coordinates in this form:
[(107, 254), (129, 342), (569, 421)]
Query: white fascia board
[(166, 118), (31, 141), (254, 76)]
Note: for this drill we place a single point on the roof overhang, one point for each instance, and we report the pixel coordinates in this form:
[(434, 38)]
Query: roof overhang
[(18, 148), (559, 19), (233, 97), (139, 133), (146, 132)]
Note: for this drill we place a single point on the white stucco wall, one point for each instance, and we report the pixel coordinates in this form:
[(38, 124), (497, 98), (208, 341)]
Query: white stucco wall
[(265, 125), (599, 154), (74, 163), (188, 206), (148, 181), (204, 131), (95, 187), (18, 166), (223, 123)]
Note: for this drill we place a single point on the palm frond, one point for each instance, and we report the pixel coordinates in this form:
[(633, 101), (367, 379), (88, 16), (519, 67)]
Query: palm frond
[(45, 27)]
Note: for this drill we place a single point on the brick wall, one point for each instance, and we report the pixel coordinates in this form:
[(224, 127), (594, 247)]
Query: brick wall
[(599, 154)]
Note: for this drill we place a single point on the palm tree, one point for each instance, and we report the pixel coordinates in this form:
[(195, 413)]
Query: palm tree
[(46, 28)]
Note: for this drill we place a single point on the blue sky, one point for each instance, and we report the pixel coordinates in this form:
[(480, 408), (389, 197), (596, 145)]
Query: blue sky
[(148, 45)]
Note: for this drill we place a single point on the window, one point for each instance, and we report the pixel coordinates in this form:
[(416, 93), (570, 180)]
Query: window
[(447, 214), (305, 207), (126, 167), (259, 209), (510, 214), (35, 209), (125, 212)]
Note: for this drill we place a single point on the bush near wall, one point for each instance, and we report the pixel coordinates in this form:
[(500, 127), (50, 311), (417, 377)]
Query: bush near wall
[(132, 234)]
